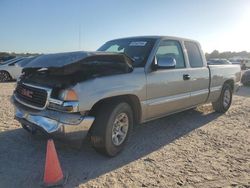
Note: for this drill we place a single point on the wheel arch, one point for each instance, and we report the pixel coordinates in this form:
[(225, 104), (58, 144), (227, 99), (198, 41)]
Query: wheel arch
[(131, 99), (230, 82)]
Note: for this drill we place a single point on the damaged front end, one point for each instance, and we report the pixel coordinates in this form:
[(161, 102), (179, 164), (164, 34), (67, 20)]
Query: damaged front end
[(44, 98)]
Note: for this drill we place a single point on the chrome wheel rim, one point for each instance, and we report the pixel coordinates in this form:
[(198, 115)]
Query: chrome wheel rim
[(120, 129), (226, 98)]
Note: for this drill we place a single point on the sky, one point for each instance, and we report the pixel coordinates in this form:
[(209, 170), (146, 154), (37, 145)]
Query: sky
[(50, 26)]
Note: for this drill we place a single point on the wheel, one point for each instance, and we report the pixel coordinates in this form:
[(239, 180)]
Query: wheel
[(4, 76), (29, 129), (225, 99), (111, 128)]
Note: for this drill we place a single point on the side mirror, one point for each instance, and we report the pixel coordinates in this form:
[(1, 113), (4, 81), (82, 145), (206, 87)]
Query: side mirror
[(165, 62)]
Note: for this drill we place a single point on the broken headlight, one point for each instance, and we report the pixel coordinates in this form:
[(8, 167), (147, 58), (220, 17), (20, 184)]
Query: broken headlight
[(68, 101)]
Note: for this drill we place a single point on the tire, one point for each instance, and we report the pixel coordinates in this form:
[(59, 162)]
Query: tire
[(4, 76), (30, 130), (225, 100), (104, 132)]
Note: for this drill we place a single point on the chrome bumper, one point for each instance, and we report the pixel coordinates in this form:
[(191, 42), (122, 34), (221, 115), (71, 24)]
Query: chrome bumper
[(71, 126)]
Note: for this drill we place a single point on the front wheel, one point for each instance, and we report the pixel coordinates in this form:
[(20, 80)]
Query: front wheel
[(112, 127), (225, 99)]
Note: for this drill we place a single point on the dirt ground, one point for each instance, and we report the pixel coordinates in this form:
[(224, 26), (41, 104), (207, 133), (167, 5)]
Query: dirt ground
[(196, 148)]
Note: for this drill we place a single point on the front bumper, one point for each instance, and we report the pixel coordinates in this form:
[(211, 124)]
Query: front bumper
[(66, 125)]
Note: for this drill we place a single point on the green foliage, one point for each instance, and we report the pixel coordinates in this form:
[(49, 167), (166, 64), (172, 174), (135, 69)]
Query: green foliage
[(5, 55)]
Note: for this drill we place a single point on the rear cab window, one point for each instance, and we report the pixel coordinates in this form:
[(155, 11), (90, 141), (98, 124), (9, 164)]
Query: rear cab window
[(194, 54)]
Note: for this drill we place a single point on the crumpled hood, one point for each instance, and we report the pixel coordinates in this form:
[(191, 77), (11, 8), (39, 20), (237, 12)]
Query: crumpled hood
[(62, 59), (73, 67)]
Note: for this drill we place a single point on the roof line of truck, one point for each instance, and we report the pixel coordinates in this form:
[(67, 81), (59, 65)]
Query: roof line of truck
[(157, 37)]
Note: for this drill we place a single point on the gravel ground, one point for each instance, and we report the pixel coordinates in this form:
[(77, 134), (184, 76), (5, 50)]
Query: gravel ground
[(196, 148)]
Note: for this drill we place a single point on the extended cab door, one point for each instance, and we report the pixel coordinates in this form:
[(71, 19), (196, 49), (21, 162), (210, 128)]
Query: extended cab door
[(198, 72), (168, 90)]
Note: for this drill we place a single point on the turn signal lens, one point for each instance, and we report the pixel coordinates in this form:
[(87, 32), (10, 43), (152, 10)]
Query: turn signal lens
[(71, 95), (68, 95)]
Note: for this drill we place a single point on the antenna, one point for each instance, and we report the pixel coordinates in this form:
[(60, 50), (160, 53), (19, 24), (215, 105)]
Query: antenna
[(79, 37)]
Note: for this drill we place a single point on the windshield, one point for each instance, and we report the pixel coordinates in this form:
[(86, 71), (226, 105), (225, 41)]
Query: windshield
[(25, 61), (137, 49), (12, 61)]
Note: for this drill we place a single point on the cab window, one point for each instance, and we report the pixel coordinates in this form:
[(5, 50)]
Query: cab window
[(194, 55), (170, 48)]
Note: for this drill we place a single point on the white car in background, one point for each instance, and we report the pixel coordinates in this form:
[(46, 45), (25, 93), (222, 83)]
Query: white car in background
[(12, 69)]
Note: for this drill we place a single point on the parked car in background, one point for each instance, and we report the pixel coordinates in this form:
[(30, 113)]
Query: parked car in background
[(247, 63), (244, 64), (12, 69), (6, 58), (245, 79), (218, 62)]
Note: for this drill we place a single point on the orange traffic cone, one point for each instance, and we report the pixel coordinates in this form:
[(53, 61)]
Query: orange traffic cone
[(53, 174)]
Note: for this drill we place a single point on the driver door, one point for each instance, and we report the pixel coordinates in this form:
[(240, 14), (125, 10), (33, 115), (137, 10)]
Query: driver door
[(168, 90)]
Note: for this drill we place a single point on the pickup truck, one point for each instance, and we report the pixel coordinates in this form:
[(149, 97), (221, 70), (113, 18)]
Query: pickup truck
[(125, 82)]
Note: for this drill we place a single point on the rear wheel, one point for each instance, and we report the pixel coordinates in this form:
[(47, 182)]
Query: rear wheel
[(225, 99), (4, 76), (111, 128)]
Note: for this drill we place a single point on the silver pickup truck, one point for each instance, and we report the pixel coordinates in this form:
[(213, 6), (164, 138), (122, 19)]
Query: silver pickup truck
[(127, 81)]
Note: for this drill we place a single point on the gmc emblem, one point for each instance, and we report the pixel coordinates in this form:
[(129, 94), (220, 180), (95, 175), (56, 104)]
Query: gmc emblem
[(26, 93)]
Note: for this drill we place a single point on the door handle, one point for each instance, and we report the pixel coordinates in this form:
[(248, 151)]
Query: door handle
[(186, 77)]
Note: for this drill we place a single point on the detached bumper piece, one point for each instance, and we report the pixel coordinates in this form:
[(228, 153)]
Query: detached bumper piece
[(63, 125)]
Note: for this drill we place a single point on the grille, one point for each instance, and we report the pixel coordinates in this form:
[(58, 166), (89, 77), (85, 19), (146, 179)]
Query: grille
[(31, 95)]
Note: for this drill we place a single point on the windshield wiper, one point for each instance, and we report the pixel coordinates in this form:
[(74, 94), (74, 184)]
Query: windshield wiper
[(132, 59)]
